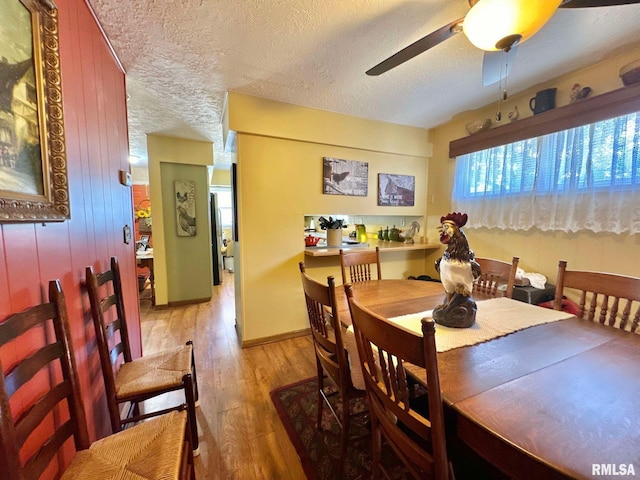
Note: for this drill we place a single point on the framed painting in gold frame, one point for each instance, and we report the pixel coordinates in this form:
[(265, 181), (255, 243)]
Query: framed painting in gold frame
[(33, 164)]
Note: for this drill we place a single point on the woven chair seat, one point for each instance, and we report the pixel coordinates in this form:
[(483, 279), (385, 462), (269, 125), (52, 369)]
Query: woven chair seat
[(149, 451), (152, 372)]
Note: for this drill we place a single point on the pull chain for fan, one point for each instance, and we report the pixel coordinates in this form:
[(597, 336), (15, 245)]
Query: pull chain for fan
[(502, 90)]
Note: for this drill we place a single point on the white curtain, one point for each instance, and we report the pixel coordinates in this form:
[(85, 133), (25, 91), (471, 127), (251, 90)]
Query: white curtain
[(586, 178)]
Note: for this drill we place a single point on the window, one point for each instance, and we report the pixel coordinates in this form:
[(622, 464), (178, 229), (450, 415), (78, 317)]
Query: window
[(225, 210), (585, 178)]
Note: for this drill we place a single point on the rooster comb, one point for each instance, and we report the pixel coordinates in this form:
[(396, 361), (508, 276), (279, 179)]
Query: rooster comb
[(460, 219)]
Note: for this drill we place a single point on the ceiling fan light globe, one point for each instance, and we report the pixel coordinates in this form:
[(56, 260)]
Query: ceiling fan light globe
[(490, 22)]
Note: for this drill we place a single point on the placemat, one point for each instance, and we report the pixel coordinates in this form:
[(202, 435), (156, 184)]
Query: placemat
[(495, 318)]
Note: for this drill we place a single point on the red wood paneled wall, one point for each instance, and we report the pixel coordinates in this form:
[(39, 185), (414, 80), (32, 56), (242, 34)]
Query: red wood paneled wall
[(31, 254)]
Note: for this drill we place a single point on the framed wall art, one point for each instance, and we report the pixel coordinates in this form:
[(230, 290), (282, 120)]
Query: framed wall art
[(185, 207), (396, 190), (33, 165), (345, 177)]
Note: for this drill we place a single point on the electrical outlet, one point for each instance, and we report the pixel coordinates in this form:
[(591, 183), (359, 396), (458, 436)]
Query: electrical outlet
[(431, 199)]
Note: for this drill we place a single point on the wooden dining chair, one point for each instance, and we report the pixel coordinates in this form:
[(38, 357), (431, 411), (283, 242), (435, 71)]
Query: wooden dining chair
[(358, 264), (129, 380), (34, 437), (331, 356), (606, 298), (495, 273), (384, 348)]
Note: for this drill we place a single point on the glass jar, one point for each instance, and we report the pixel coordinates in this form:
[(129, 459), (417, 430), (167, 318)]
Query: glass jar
[(393, 234)]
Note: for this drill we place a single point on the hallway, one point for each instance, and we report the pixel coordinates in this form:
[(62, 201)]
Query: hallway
[(241, 436)]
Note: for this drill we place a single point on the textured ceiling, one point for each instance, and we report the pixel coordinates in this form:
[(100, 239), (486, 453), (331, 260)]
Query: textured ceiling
[(181, 56)]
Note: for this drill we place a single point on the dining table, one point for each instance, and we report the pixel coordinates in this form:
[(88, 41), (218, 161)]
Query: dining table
[(557, 398)]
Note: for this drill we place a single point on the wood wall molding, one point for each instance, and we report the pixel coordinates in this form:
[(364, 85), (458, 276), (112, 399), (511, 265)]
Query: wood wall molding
[(608, 105)]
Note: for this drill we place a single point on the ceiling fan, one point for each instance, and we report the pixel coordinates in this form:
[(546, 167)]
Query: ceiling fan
[(493, 25)]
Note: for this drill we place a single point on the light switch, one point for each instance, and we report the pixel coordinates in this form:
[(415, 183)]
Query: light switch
[(125, 178)]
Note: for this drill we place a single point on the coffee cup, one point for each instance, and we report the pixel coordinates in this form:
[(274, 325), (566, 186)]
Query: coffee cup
[(543, 101)]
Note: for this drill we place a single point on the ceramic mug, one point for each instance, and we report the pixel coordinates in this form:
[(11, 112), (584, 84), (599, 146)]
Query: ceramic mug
[(543, 101)]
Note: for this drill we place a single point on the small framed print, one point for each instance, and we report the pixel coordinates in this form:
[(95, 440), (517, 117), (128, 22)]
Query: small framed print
[(396, 190), (345, 177)]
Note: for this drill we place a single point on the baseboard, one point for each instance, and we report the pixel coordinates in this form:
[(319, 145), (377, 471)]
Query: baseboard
[(276, 338), (188, 302)]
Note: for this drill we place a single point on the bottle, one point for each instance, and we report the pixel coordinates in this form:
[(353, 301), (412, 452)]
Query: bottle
[(361, 230), (380, 234), (385, 236)]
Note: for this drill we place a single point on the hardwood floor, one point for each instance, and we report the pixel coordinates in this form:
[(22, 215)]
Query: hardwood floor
[(241, 436)]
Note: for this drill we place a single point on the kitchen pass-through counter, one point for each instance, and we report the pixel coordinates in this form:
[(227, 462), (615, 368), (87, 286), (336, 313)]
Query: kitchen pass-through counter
[(324, 251)]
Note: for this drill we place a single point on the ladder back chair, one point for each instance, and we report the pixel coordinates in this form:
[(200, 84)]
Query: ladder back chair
[(331, 354), (384, 347), (36, 442), (494, 274), (358, 265), (606, 298), (135, 380)]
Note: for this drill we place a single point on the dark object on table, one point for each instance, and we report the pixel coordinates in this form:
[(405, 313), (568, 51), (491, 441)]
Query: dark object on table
[(425, 278), (534, 296), (459, 312)]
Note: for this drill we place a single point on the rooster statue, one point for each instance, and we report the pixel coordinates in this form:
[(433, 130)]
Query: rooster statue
[(411, 232), (458, 270)]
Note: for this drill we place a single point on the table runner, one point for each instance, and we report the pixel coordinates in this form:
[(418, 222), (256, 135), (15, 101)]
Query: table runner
[(495, 318)]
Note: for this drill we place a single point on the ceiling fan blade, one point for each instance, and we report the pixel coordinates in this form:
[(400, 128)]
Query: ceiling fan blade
[(497, 65), (416, 48), (595, 3)]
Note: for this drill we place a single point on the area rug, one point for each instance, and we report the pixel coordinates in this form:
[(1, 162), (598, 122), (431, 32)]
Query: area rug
[(319, 451)]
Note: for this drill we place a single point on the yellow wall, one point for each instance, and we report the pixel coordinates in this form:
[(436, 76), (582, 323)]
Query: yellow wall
[(538, 251), (279, 161)]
